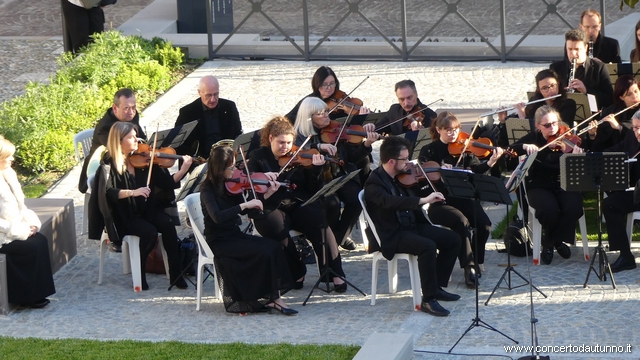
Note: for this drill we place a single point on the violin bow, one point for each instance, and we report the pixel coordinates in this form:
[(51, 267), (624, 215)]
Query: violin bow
[(246, 169), (344, 125), (345, 98), (295, 154), (406, 116), (426, 177), (466, 144), (570, 130), (153, 153)]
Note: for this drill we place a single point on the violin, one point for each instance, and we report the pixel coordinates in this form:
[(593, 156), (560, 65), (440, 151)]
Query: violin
[(480, 147), (414, 115), (164, 157), (340, 100), (566, 143), (305, 158), (239, 182), (353, 134), (412, 175)]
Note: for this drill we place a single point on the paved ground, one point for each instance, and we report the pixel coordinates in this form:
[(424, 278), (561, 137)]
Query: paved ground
[(571, 314)]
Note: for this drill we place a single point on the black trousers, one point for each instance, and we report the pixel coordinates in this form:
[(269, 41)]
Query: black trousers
[(454, 219), (309, 220), (615, 209), (29, 276), (436, 249), (342, 224), (557, 211), (81, 23), (477, 219)]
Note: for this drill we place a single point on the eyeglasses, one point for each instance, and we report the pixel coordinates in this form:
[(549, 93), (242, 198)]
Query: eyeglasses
[(401, 159), (452, 130), (549, 87), (636, 128), (210, 96), (232, 167), (322, 113), (549, 124), (328, 85)]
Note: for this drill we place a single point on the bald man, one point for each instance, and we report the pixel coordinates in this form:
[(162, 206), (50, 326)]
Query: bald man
[(218, 119)]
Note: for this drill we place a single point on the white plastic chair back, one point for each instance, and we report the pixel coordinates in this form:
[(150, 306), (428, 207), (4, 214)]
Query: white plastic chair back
[(82, 141)]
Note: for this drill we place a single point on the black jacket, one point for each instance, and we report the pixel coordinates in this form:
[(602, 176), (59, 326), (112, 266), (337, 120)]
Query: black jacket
[(631, 146), (596, 79), (100, 137), (396, 112), (230, 127), (607, 49), (545, 171), (606, 136)]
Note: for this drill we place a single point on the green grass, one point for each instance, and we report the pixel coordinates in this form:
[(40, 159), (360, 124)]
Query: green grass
[(31, 348)]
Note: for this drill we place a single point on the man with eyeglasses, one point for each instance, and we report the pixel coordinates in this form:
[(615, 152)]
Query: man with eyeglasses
[(402, 227), (408, 103), (605, 49), (218, 119), (618, 204), (590, 76)]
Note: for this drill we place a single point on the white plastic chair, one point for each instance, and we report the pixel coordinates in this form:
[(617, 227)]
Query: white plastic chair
[(205, 255), (82, 142), (130, 258), (392, 265), (630, 218), (536, 229)]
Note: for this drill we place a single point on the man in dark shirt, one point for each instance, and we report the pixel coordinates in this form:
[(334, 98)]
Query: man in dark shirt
[(590, 76), (605, 49), (218, 119), (408, 103)]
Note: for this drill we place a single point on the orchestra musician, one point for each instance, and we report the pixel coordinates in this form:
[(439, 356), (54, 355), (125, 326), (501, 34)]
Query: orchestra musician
[(129, 205), (618, 204), (312, 119), (634, 56), (402, 227), (445, 130), (325, 85), (605, 49), (590, 76), (408, 102), (616, 119), (253, 269), (557, 210), (218, 119), (282, 211)]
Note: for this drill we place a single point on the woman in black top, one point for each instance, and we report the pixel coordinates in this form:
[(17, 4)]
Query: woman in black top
[(556, 209), (445, 129), (253, 269), (283, 211)]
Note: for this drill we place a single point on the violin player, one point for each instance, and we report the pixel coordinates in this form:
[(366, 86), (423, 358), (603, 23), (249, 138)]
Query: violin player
[(218, 119), (445, 130), (557, 210), (312, 119), (408, 102), (253, 269), (282, 211), (126, 197)]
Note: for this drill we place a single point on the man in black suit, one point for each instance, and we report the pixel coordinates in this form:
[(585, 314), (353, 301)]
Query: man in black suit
[(402, 227), (408, 103), (605, 49), (591, 76), (218, 119)]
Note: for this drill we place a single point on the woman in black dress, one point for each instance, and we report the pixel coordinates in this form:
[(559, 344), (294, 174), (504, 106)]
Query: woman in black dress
[(253, 269), (29, 277)]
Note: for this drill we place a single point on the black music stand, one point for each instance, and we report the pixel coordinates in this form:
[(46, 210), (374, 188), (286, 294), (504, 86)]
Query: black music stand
[(514, 182), (327, 273), (173, 137), (595, 171), (476, 188), (192, 184)]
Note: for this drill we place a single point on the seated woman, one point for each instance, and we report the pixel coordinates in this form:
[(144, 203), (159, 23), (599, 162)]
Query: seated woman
[(634, 56), (556, 209), (253, 269), (614, 127), (129, 206), (282, 210), (29, 277), (445, 129), (312, 118)]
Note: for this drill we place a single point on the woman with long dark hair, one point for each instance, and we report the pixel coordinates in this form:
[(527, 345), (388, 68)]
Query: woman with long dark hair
[(634, 56)]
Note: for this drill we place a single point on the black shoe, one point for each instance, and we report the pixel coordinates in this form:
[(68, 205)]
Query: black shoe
[(298, 284), (563, 250), (348, 244), (340, 288), (547, 255), (433, 308), (470, 277), (115, 248), (446, 296), (283, 310), (624, 262), (180, 283), (145, 285), (38, 304)]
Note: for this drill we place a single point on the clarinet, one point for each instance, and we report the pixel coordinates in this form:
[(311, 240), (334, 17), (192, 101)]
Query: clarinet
[(590, 48), (571, 74)]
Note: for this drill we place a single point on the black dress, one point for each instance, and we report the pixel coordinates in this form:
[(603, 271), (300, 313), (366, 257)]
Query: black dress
[(253, 269)]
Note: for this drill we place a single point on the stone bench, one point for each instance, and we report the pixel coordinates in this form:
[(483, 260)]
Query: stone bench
[(59, 226)]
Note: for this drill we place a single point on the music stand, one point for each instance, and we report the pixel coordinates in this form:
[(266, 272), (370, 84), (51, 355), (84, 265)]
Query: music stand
[(174, 137), (327, 273), (607, 171), (517, 128), (192, 184), (583, 109), (476, 188), (517, 176)]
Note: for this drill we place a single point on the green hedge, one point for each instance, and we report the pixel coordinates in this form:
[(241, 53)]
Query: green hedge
[(42, 121)]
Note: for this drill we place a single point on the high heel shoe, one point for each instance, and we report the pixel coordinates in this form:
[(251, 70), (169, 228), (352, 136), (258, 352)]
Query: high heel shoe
[(283, 310), (340, 288), (298, 284)]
